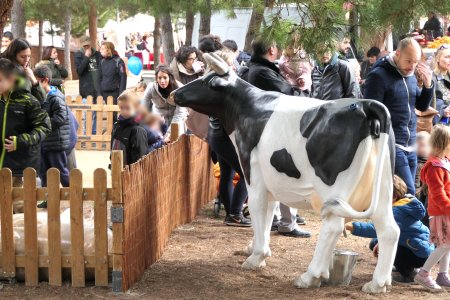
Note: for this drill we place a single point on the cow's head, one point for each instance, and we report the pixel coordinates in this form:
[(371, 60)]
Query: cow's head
[(209, 93)]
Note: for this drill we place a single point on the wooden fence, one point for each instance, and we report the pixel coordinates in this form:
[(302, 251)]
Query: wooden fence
[(84, 115), (147, 200)]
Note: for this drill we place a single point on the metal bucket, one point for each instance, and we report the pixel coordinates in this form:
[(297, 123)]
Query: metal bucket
[(341, 267)]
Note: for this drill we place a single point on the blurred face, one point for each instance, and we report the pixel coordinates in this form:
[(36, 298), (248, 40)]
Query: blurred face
[(163, 80), (44, 82), (407, 60), (444, 60), (325, 58), (344, 45), (372, 59), (191, 59), (104, 51), (127, 109), (54, 54), (423, 147), (6, 83), (5, 42), (23, 57)]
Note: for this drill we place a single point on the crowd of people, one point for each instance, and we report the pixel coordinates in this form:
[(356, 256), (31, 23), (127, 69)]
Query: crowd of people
[(39, 130)]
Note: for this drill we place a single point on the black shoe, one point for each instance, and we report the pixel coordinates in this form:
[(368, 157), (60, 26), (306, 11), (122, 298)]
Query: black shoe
[(402, 280), (237, 221), (43, 204), (296, 233), (301, 220), (274, 226)]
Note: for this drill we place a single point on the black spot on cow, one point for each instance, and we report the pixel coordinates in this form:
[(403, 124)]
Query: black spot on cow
[(334, 131), (282, 161)]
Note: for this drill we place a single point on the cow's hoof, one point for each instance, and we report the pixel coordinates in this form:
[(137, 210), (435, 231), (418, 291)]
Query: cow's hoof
[(248, 250), (307, 281), (373, 288), (254, 262)]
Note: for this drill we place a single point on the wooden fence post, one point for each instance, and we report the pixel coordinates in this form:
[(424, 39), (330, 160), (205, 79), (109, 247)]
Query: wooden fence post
[(77, 228), (6, 207), (117, 218), (100, 228), (54, 228), (174, 132), (30, 228)]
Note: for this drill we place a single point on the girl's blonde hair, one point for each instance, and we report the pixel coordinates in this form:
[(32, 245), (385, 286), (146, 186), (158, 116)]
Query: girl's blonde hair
[(440, 138), (110, 47), (439, 54), (129, 96), (400, 188)]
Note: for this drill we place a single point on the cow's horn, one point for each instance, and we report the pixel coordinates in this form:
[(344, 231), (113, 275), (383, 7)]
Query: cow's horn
[(216, 63)]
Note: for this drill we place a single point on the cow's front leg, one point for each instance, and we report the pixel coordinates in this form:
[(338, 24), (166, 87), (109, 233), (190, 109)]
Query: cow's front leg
[(258, 206), (271, 205), (332, 227)]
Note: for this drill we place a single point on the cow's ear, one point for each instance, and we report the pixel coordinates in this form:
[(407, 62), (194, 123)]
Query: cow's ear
[(218, 82)]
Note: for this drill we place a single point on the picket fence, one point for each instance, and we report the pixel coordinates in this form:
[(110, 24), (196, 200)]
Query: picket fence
[(140, 191)]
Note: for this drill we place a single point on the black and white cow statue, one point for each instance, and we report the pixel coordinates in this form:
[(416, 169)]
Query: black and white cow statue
[(335, 154)]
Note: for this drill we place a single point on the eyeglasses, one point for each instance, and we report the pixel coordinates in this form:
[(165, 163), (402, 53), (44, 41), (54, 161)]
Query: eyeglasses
[(192, 59)]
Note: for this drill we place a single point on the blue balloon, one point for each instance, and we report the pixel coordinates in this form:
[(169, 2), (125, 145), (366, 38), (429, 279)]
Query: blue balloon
[(134, 65)]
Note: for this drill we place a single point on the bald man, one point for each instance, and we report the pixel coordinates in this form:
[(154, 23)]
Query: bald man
[(393, 81)]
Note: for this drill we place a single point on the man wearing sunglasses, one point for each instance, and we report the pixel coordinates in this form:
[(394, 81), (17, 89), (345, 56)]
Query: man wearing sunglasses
[(393, 82)]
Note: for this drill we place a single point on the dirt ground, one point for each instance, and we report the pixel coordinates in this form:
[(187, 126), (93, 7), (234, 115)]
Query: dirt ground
[(202, 261)]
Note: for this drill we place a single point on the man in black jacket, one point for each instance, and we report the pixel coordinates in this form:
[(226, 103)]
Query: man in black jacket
[(264, 74), (433, 26), (53, 148), (87, 62), (332, 78)]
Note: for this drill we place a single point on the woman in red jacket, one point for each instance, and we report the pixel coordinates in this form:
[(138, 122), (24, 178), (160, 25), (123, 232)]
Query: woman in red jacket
[(436, 175)]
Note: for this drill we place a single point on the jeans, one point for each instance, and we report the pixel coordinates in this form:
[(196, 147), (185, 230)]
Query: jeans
[(232, 199), (54, 159), (406, 167)]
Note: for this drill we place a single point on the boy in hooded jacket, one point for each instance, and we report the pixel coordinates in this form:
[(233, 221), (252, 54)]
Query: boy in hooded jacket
[(54, 147)]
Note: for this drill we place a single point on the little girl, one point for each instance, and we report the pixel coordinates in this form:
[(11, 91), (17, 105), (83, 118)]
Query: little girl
[(436, 175)]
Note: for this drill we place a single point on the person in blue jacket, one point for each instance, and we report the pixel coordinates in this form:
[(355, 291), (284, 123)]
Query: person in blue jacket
[(413, 245), (393, 82)]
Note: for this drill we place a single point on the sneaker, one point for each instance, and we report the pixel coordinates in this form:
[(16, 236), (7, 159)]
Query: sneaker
[(443, 280), (43, 204), (237, 221), (297, 233), (424, 279), (301, 220)]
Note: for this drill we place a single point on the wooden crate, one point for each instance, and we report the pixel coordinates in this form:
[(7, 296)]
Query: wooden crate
[(102, 261), (83, 113)]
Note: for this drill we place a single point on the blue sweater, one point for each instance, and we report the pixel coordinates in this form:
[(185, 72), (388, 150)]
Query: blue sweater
[(400, 95), (414, 235), (156, 139)]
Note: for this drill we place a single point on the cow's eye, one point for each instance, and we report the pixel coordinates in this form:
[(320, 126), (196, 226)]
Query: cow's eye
[(353, 106)]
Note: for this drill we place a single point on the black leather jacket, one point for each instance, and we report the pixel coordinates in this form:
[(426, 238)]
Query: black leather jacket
[(336, 81)]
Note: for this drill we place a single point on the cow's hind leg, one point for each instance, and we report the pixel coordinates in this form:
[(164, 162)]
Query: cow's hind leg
[(318, 269), (388, 234), (258, 206)]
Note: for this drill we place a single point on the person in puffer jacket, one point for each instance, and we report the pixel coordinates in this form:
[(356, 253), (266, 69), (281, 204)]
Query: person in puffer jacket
[(23, 123), (112, 73), (413, 247), (392, 81), (54, 147)]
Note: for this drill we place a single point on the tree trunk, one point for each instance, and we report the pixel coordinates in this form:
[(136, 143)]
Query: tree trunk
[(18, 19), (189, 27), (67, 33), (157, 43), (41, 35), (167, 37), (205, 20), (93, 23), (5, 10), (254, 27)]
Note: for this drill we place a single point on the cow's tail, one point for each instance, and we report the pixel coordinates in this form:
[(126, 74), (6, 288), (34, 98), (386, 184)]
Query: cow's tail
[(341, 208)]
